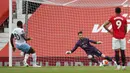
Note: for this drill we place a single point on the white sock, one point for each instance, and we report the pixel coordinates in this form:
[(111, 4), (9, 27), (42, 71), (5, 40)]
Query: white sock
[(34, 56), (26, 57)]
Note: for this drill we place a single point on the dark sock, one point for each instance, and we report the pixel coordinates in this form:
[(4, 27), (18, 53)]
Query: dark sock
[(123, 57), (108, 58), (117, 58), (94, 60)]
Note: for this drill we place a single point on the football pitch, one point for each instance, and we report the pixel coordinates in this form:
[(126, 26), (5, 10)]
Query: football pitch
[(67, 69)]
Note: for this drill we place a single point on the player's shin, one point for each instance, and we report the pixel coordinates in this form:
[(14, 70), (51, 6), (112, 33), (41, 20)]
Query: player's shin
[(25, 59), (123, 57), (34, 56), (117, 57)]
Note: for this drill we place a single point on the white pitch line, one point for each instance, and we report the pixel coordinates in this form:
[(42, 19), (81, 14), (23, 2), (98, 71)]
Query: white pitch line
[(69, 2), (124, 2)]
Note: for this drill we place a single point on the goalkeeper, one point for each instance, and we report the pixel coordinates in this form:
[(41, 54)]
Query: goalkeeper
[(90, 50)]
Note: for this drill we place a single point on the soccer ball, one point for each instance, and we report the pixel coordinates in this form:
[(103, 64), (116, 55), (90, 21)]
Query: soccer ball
[(105, 62)]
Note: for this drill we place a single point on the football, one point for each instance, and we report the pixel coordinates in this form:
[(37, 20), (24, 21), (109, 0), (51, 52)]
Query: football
[(105, 62)]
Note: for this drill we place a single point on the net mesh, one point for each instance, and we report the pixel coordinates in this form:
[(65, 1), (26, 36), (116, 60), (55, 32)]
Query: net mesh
[(54, 24)]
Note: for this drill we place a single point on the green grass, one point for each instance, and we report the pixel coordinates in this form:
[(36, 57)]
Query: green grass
[(79, 69)]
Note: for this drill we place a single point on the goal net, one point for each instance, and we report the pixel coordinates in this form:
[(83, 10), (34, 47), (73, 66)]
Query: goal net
[(53, 25)]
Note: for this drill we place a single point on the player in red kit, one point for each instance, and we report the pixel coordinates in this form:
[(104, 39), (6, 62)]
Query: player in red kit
[(119, 27)]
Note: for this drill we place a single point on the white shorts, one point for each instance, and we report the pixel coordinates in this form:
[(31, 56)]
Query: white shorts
[(118, 44)]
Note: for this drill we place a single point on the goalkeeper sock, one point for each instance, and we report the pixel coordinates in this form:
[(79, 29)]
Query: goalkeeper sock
[(34, 56), (25, 58), (108, 58), (94, 60)]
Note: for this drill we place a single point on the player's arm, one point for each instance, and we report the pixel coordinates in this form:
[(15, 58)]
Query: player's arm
[(125, 26), (125, 29), (71, 51), (95, 42), (23, 35), (25, 38), (105, 26), (12, 44)]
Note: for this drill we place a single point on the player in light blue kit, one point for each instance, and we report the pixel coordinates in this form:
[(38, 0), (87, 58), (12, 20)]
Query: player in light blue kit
[(18, 35)]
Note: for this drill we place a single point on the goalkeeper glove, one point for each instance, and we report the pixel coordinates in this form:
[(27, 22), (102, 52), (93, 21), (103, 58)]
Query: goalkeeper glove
[(68, 52), (99, 42)]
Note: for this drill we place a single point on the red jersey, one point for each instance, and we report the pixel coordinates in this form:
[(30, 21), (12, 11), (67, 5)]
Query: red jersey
[(118, 25)]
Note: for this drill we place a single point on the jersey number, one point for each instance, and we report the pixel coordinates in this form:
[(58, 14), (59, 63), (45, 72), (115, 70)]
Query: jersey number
[(17, 36), (118, 23)]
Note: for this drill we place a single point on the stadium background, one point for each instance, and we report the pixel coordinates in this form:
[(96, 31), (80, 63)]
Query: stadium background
[(54, 30)]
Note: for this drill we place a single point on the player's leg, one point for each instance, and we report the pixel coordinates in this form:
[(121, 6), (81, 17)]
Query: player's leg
[(116, 48), (117, 58), (24, 48), (123, 58), (100, 54), (123, 47), (91, 57), (34, 56), (26, 56), (107, 57)]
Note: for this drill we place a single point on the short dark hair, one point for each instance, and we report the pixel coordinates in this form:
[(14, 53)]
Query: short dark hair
[(80, 32), (19, 23), (118, 10)]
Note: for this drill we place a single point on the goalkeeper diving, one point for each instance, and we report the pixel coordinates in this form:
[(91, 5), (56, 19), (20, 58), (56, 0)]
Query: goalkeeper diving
[(90, 50)]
